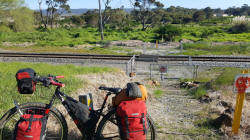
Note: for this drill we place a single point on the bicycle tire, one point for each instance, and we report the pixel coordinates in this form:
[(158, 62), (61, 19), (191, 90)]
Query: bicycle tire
[(109, 117), (9, 117)]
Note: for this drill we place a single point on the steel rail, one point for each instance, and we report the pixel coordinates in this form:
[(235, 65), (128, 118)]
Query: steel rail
[(245, 59)]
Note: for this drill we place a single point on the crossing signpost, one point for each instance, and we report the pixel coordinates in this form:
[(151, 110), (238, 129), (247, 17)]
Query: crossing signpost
[(162, 69), (241, 86)]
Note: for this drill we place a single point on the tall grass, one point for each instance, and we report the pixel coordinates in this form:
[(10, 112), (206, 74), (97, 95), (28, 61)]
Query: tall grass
[(226, 78), (206, 48), (8, 88)]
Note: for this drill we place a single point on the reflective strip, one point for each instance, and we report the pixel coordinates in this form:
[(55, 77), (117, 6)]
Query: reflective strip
[(26, 136), (135, 114)]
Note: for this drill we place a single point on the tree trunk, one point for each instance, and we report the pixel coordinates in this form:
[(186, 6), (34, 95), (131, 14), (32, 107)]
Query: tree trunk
[(47, 18), (52, 17), (143, 24), (41, 14), (100, 21)]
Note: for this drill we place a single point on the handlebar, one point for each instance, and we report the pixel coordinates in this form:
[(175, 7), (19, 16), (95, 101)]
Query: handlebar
[(58, 77), (50, 80)]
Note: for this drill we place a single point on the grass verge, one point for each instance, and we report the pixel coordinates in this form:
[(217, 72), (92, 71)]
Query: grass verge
[(226, 78), (8, 88), (206, 48), (216, 79), (158, 92)]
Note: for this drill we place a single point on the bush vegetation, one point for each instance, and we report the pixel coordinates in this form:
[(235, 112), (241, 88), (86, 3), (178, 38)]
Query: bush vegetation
[(77, 36), (167, 33), (240, 28), (20, 24)]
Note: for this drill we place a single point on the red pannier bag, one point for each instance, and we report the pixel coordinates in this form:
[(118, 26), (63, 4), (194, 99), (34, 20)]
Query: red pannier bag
[(131, 117), (30, 127)]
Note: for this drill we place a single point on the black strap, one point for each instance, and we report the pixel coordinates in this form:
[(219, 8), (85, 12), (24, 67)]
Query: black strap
[(143, 123), (44, 123), (16, 128), (30, 123), (127, 124)]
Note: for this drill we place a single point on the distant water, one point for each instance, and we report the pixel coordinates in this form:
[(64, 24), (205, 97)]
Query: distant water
[(80, 11)]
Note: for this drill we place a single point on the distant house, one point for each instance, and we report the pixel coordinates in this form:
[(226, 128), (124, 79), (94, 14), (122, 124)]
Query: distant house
[(221, 15), (63, 16)]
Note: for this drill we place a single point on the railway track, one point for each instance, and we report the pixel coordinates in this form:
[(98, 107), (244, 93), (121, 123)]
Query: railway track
[(241, 59)]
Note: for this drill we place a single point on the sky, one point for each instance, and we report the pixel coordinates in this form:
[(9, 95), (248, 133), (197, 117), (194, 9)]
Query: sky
[(90, 4)]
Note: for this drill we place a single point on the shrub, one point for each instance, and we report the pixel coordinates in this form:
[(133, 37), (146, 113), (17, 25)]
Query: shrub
[(167, 32), (206, 33), (4, 28), (240, 28), (24, 20)]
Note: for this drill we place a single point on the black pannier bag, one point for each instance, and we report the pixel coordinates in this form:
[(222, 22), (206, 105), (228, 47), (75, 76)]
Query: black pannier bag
[(25, 81), (81, 115), (133, 90)]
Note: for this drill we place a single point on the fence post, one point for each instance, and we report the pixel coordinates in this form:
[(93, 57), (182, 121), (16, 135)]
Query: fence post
[(150, 71), (195, 71), (190, 60), (162, 76), (181, 48), (127, 68)]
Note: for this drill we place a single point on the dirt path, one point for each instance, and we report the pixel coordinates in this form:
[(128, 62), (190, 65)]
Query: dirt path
[(175, 114)]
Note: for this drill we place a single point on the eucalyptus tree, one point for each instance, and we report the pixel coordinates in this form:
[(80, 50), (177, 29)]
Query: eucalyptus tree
[(54, 9), (143, 11), (15, 15), (104, 16), (6, 6)]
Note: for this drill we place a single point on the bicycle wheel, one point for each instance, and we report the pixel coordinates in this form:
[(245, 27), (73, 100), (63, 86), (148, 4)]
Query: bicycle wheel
[(56, 128), (108, 128)]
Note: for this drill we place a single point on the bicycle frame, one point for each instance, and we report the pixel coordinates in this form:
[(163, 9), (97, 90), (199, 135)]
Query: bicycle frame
[(98, 113)]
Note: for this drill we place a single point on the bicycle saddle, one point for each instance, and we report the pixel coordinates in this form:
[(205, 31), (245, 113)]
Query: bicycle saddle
[(113, 90)]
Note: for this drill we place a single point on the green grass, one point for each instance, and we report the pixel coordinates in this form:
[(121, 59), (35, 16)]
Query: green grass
[(206, 48), (158, 92), (214, 33), (198, 92), (8, 88), (226, 78), (85, 50)]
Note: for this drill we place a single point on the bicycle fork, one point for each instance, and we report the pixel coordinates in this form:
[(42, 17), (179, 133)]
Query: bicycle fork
[(18, 107)]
